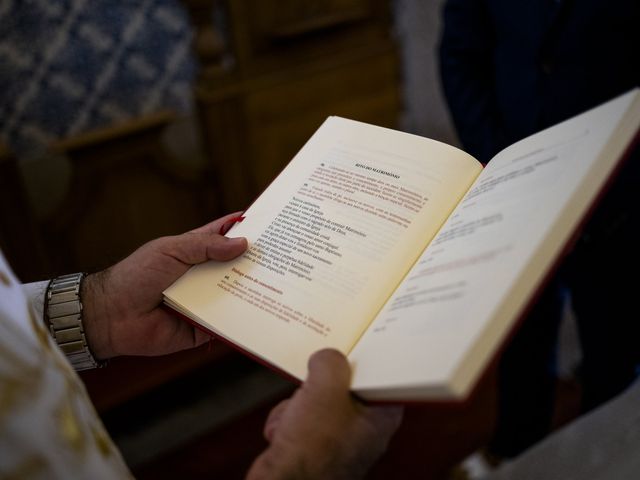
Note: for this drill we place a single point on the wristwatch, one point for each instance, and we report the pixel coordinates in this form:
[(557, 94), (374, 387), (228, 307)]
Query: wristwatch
[(63, 312)]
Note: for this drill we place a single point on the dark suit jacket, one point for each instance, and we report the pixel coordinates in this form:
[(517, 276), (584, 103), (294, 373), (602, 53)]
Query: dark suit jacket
[(513, 67)]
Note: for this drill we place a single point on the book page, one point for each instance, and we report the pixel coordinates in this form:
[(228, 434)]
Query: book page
[(330, 240), (438, 330)]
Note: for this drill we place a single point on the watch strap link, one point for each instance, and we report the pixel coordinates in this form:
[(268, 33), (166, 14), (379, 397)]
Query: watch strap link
[(63, 310)]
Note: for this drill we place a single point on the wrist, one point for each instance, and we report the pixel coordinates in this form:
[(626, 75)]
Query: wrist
[(96, 315)]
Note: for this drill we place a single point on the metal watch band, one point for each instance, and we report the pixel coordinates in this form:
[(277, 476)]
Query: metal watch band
[(63, 311)]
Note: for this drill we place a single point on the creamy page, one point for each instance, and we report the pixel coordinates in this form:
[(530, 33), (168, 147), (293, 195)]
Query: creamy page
[(474, 278), (329, 241)]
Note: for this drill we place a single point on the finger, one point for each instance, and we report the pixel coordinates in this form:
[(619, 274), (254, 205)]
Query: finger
[(216, 225), (387, 418), (227, 226), (271, 425), (193, 248), (223, 248), (329, 372)]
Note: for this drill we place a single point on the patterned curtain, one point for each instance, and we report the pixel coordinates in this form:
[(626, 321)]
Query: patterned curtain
[(68, 66)]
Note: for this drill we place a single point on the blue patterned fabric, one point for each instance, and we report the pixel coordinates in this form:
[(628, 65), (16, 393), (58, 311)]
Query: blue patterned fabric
[(68, 66)]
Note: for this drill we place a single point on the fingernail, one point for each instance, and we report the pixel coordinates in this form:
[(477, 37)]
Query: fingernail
[(237, 240), (230, 223)]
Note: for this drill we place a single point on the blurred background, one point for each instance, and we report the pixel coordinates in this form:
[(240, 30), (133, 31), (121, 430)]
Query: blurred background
[(128, 120), (124, 121)]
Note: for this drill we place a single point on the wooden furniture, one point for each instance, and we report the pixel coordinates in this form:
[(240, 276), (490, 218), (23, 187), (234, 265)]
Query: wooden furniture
[(126, 378), (270, 72), (19, 238), (276, 71), (122, 189), (119, 188), (125, 190)]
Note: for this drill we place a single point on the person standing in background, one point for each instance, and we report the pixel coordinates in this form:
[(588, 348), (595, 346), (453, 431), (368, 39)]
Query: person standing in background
[(508, 70)]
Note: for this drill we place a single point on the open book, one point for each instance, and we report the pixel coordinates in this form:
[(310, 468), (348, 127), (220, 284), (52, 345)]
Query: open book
[(403, 252)]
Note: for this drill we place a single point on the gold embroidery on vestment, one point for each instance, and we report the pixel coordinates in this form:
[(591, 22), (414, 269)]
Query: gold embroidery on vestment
[(30, 467), (69, 426)]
